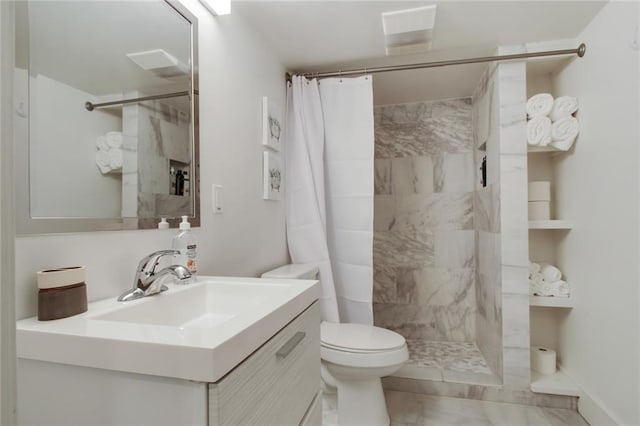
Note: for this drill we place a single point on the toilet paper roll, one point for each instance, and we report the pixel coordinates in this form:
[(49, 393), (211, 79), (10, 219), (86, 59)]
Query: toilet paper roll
[(543, 360), (539, 210), (60, 277), (540, 191)]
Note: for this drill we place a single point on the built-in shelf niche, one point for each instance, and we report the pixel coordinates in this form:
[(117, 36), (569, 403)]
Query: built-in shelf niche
[(535, 149), (545, 235), (557, 383), (551, 302), (550, 224)]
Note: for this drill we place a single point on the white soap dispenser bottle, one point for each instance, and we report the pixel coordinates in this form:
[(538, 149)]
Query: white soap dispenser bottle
[(185, 243)]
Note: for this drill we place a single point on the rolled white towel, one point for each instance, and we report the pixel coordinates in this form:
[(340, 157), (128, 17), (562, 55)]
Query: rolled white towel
[(534, 288), (550, 273), (539, 131), (545, 289), (559, 289), (114, 139), (564, 132), (534, 267), (536, 277), (101, 143), (103, 161), (563, 106), (539, 105), (115, 158)]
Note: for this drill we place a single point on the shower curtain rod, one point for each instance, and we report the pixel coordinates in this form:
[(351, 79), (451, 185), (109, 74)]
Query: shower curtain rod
[(90, 106), (580, 50)]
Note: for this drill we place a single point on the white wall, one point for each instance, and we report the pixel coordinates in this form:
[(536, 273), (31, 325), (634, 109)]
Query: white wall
[(597, 188), (64, 178), (236, 70)]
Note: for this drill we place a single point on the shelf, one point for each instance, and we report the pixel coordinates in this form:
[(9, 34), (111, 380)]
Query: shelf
[(548, 148), (551, 302), (557, 383), (550, 224)]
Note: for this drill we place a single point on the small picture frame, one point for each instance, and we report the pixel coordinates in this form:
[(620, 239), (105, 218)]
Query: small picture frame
[(272, 127), (272, 176)]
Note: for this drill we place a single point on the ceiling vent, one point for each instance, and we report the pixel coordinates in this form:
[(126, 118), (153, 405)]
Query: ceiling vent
[(409, 31), (159, 62)]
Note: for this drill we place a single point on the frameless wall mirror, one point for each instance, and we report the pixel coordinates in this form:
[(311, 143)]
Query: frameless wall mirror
[(106, 115)]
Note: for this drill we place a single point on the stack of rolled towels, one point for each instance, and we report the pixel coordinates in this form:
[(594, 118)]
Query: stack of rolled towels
[(552, 121), (546, 280), (109, 154)]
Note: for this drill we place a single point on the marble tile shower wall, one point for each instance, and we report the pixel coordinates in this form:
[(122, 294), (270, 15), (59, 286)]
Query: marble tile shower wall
[(514, 223), (424, 239), (486, 209), (500, 221), (154, 133)]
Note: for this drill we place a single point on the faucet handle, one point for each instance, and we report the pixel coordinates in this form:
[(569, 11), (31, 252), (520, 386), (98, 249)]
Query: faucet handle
[(144, 281), (153, 258)]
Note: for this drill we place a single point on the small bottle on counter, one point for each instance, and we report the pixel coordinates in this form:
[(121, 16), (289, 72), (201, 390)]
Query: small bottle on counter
[(185, 243), (187, 184), (179, 183), (172, 180)]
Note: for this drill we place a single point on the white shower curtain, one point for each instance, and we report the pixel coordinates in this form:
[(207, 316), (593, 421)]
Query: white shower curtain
[(329, 175)]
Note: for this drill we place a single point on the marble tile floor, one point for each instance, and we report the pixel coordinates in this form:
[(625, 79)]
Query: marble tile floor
[(409, 409), (456, 356)]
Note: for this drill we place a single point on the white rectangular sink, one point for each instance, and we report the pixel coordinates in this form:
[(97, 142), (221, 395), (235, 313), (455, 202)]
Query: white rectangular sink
[(195, 332), (198, 305)]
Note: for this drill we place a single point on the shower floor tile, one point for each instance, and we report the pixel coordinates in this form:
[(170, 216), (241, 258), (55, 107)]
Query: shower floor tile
[(461, 357)]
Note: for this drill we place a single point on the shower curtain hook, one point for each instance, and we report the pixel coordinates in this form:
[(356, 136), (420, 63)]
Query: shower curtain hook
[(366, 77), (340, 75)]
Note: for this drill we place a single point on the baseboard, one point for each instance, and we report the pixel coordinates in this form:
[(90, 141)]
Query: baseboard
[(591, 409), (594, 412)]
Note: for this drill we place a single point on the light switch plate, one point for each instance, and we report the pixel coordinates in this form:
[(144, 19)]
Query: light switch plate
[(217, 198)]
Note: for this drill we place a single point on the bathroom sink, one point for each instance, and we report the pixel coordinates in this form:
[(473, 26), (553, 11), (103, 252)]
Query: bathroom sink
[(196, 332), (198, 306)]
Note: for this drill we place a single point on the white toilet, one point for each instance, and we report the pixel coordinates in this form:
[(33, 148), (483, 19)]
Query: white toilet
[(354, 358)]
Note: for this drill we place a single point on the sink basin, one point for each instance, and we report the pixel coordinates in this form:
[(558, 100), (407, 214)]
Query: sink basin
[(198, 306), (196, 332)]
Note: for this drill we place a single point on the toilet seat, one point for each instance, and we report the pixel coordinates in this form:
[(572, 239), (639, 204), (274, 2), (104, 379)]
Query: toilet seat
[(359, 345), (359, 337)]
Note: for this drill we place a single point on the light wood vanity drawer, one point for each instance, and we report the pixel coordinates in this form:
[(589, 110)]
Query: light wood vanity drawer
[(276, 384), (313, 417)]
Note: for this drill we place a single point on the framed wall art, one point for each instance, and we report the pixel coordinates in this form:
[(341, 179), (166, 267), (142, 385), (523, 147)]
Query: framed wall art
[(272, 176), (272, 126)]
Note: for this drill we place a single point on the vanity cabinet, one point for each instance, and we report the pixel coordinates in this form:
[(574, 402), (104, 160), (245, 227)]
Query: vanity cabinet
[(279, 383)]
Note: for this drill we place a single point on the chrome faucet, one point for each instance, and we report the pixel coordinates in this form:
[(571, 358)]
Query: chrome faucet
[(146, 281)]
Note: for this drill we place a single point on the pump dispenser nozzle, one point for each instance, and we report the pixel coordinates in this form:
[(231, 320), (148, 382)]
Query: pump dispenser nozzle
[(185, 223)]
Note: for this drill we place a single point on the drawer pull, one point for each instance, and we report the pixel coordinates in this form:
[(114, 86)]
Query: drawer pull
[(290, 345)]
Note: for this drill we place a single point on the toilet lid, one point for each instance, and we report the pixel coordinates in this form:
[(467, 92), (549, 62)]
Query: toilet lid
[(359, 337)]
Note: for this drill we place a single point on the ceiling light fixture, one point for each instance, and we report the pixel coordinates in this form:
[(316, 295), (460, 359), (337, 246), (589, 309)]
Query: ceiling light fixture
[(409, 31), (217, 7)]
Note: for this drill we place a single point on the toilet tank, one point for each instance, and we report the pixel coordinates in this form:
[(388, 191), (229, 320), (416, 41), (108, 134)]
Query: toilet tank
[(300, 271)]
